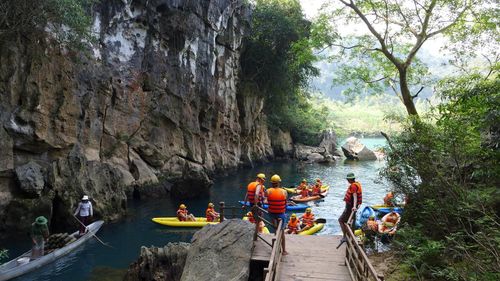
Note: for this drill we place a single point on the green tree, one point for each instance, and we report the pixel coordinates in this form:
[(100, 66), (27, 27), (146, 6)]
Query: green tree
[(386, 56), (279, 59), (449, 168), (68, 20)]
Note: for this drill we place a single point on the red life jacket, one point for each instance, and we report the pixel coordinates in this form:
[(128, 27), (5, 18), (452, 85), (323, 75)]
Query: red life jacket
[(304, 193), (355, 187), (308, 219), (181, 214), (316, 189), (276, 198), (210, 214)]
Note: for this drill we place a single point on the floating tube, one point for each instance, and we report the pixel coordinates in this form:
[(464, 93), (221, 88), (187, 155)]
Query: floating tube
[(174, 222), (298, 207)]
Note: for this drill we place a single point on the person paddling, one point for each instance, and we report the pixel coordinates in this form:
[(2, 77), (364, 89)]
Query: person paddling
[(302, 185), (353, 198), (307, 219), (39, 234), (184, 215), (316, 190), (293, 226), (211, 214), (276, 198), (85, 212), (256, 191)]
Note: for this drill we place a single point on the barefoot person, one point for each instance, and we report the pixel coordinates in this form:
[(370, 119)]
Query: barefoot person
[(184, 215), (276, 198)]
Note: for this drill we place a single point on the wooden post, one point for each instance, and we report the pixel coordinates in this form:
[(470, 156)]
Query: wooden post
[(221, 204)]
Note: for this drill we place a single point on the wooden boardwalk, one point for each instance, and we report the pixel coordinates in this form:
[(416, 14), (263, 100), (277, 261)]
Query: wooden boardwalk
[(309, 258)]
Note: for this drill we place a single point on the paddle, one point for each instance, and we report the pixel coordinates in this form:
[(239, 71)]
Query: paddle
[(95, 236)]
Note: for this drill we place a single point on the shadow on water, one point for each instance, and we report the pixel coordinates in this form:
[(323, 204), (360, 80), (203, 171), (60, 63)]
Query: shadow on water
[(93, 261)]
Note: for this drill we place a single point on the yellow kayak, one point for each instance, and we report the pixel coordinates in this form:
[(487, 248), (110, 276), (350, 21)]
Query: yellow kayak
[(265, 230), (293, 190), (173, 221), (317, 227)]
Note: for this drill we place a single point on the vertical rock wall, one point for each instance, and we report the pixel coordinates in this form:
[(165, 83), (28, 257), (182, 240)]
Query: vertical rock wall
[(153, 99)]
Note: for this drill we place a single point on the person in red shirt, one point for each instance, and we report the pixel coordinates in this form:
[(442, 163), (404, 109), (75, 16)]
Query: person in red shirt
[(353, 198)]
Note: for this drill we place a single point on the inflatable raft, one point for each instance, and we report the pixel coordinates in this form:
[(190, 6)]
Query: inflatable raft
[(174, 222), (293, 190), (317, 227), (363, 216), (298, 198), (383, 209)]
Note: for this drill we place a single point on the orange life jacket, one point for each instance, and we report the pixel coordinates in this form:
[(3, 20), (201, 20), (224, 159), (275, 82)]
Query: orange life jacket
[(304, 193), (355, 187), (373, 225), (388, 199), (391, 219), (316, 189), (308, 219), (276, 198), (293, 225), (181, 214), (251, 189), (210, 214)]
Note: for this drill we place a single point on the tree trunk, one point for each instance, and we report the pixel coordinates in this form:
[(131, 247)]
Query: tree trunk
[(405, 93)]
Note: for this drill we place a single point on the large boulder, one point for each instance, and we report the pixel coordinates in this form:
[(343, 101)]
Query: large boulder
[(354, 150), (220, 252), (155, 264), (30, 177)]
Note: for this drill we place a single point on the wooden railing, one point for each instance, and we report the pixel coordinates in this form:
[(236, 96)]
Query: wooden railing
[(357, 262), (235, 211), (272, 270)]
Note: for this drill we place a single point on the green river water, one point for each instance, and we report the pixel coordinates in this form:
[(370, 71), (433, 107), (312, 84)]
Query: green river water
[(93, 261)]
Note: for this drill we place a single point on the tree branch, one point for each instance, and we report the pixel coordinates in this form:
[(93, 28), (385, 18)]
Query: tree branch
[(416, 95)]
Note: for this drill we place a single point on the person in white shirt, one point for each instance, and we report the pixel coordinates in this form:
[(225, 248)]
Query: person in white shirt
[(85, 213)]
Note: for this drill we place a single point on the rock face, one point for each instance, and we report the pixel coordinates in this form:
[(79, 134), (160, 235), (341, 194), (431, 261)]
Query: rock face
[(158, 264), (282, 144), (220, 252), (353, 149), (156, 97), (30, 178)]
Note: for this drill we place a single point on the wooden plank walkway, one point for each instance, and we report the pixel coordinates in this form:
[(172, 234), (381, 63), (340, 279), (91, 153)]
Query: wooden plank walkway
[(309, 258)]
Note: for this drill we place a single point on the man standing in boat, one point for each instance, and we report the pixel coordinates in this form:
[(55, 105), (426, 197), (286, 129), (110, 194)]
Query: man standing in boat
[(353, 198), (256, 191), (84, 213), (39, 233)]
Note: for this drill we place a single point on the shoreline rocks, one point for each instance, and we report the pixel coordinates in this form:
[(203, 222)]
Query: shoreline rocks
[(217, 252)]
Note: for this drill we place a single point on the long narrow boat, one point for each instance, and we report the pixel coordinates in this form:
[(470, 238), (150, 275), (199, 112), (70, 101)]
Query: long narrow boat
[(299, 198), (174, 221), (293, 190), (22, 264), (296, 207)]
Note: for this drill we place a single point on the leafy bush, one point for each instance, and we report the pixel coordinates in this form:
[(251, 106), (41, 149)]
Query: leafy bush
[(3, 255), (68, 20), (448, 166)]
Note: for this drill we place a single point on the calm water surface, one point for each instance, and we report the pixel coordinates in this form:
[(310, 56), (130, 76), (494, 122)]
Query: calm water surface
[(94, 261)]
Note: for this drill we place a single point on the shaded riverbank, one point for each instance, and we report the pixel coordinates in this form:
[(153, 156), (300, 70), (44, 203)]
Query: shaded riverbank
[(93, 259)]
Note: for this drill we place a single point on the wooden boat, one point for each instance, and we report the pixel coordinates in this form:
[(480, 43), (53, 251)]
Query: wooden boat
[(299, 198), (22, 264)]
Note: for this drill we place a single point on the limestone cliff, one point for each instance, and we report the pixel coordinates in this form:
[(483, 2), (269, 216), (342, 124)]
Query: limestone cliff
[(153, 99)]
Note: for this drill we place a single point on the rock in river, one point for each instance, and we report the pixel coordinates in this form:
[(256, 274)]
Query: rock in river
[(353, 149)]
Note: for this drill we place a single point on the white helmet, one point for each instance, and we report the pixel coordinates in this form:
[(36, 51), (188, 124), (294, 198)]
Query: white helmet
[(85, 197)]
